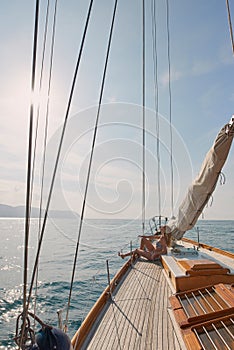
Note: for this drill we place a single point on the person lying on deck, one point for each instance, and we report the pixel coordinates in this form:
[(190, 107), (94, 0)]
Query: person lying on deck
[(149, 250)]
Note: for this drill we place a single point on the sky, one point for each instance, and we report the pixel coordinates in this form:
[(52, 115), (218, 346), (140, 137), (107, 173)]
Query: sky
[(202, 100)]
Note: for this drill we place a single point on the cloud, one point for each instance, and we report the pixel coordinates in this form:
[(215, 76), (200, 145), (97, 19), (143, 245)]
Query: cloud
[(203, 67), (225, 55), (174, 76), (12, 192)]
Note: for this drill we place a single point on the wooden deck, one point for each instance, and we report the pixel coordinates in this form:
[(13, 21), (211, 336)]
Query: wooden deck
[(137, 317)]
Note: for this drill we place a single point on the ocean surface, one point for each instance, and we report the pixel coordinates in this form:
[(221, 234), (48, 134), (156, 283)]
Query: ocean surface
[(100, 241)]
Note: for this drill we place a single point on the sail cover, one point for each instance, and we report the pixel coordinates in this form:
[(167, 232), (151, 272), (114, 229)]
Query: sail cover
[(204, 184), (49, 338)]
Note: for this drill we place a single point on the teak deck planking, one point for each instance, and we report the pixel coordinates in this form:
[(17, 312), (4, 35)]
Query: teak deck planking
[(137, 315)]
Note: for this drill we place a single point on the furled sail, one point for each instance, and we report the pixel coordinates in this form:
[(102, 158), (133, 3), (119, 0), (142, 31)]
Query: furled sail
[(204, 184)]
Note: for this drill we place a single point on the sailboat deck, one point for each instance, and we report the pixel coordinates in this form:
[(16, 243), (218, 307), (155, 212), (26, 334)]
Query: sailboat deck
[(137, 316)]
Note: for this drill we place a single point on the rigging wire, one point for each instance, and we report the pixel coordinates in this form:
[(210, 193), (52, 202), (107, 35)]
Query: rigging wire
[(156, 100), (143, 116), (28, 192), (230, 25), (37, 124), (170, 107), (58, 153), (47, 110), (40, 89), (91, 156)]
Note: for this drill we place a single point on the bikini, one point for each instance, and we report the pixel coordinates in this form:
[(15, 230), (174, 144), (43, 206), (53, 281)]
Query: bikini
[(159, 245)]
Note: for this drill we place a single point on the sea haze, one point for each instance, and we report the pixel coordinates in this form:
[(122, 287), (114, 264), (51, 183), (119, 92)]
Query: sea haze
[(100, 241), (7, 211)]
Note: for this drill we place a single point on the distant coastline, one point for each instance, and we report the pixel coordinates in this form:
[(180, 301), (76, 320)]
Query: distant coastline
[(7, 211)]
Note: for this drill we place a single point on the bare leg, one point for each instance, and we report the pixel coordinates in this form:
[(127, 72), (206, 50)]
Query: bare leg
[(150, 253), (140, 252), (127, 254), (145, 243)]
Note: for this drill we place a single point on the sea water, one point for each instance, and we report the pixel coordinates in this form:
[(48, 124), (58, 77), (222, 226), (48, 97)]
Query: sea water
[(100, 242)]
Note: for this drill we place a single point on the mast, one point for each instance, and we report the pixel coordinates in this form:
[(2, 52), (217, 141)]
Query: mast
[(143, 117)]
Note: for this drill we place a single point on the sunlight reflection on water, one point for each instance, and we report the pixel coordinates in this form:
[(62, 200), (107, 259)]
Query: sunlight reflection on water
[(101, 241)]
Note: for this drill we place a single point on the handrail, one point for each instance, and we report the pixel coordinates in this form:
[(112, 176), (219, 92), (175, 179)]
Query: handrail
[(208, 247)]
